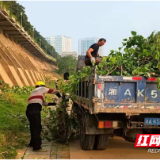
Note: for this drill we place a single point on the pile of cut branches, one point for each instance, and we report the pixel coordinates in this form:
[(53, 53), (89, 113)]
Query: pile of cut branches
[(138, 56)]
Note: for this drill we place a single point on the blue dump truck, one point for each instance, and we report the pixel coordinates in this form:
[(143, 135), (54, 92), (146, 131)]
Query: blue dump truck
[(115, 105)]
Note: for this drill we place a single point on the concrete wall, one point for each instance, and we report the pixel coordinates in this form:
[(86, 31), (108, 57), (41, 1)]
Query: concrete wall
[(18, 66)]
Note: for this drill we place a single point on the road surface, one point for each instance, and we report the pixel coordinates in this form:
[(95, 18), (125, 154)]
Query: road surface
[(118, 149)]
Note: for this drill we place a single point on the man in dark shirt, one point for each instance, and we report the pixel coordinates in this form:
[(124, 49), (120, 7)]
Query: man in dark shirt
[(92, 53)]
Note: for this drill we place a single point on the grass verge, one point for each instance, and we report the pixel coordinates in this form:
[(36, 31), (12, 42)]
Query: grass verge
[(14, 132)]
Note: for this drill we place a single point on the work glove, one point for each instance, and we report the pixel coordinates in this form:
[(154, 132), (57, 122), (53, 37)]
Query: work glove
[(52, 104), (58, 95), (93, 61)]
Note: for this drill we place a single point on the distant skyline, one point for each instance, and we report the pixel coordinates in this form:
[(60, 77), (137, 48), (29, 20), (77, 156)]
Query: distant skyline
[(85, 43), (61, 43), (112, 20)]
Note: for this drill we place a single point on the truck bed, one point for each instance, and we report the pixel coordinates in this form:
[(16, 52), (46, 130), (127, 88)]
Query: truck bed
[(118, 94)]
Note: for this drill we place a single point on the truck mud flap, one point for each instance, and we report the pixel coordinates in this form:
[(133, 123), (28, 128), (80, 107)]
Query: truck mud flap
[(92, 126)]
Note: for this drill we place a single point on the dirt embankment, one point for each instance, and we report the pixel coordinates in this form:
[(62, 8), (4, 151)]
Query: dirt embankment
[(19, 67)]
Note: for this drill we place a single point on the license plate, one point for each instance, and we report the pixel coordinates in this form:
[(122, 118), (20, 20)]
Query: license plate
[(152, 121)]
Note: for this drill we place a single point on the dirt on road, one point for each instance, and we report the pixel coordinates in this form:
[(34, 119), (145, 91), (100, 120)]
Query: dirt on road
[(118, 149)]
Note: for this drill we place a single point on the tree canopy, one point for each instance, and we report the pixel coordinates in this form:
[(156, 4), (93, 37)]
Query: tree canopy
[(66, 64)]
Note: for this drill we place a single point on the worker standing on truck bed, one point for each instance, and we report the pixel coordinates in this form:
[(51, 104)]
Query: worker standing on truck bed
[(35, 102), (92, 53)]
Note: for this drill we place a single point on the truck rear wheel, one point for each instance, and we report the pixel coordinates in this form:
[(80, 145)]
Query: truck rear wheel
[(101, 142), (86, 141)]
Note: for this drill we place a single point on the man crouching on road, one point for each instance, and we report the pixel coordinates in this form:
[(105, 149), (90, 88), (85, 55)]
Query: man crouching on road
[(35, 102), (92, 53)]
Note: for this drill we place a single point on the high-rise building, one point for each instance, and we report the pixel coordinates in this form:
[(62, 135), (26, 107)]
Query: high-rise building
[(60, 43), (51, 41), (84, 44)]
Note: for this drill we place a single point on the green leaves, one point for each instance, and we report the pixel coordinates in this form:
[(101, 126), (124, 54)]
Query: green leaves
[(71, 85), (140, 57), (145, 52), (119, 48), (15, 89), (158, 65), (66, 64), (157, 55), (125, 39), (113, 60), (134, 33), (158, 82)]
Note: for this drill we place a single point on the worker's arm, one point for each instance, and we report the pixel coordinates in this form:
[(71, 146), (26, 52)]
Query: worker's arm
[(90, 50), (48, 104), (51, 91)]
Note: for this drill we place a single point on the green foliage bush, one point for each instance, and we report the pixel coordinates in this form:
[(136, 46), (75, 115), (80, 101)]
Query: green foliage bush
[(15, 89), (66, 64), (62, 127), (138, 56)]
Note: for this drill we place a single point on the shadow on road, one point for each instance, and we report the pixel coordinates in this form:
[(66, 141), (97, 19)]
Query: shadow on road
[(118, 149), (120, 143), (115, 143)]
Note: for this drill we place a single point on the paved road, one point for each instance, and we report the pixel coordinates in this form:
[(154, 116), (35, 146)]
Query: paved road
[(52, 151), (118, 149)]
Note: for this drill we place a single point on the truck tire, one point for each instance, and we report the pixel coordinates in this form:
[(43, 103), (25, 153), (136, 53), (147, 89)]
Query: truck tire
[(86, 141), (131, 134), (101, 142)]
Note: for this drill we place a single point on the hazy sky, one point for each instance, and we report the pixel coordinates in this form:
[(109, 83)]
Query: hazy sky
[(112, 20)]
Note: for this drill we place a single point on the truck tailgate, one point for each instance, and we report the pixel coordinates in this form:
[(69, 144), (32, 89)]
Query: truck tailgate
[(126, 95)]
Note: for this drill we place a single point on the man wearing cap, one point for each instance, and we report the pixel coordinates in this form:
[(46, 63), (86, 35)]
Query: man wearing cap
[(33, 112)]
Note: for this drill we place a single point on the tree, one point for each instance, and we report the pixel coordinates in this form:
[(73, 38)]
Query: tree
[(67, 64)]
